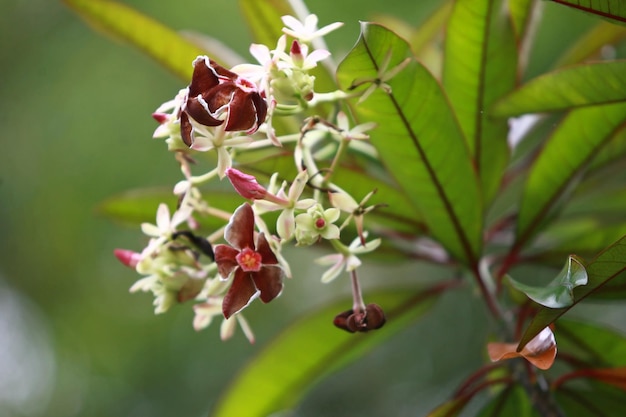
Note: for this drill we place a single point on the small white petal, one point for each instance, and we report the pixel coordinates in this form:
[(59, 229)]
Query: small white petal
[(332, 272), (227, 329), (163, 217)]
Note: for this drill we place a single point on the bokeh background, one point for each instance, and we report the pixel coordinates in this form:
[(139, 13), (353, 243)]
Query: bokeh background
[(75, 128)]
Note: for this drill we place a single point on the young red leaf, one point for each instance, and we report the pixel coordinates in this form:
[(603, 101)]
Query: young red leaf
[(540, 351)]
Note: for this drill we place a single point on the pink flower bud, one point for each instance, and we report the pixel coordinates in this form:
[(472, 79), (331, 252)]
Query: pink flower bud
[(127, 257), (160, 117), (246, 185)]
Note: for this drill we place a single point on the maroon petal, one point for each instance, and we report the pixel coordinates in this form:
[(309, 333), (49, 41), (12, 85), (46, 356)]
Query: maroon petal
[(185, 129), (260, 106), (203, 78), (269, 280), (240, 293), (225, 258), (199, 113), (219, 96), (240, 229), (221, 71), (241, 112), (263, 248)]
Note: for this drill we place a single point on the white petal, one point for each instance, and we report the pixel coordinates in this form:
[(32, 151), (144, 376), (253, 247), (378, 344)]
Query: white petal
[(227, 329), (332, 272), (163, 218), (352, 263)]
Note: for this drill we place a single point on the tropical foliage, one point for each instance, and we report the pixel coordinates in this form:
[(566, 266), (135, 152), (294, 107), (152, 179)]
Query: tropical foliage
[(411, 148)]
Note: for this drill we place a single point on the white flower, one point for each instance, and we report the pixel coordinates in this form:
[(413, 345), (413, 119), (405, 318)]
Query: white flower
[(205, 312), (345, 258), (288, 203), (316, 223), (307, 31)]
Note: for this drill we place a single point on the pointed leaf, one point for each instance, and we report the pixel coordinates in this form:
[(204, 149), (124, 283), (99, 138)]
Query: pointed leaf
[(581, 85), (559, 292), (612, 10), (163, 44), (418, 140), (590, 44), (481, 66), (606, 266), (575, 141), (311, 349)]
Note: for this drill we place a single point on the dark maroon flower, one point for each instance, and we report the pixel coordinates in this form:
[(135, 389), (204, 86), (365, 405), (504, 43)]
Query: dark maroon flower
[(371, 319), (255, 267), (217, 95)]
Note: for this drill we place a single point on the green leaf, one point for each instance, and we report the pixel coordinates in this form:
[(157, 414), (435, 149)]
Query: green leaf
[(590, 44), (310, 349), (264, 19), (581, 85), (606, 266), (427, 31), (612, 10), (559, 292), (163, 44), (594, 399), (581, 235), (574, 142), (594, 345), (512, 401), (134, 207), (418, 140), (481, 66), (450, 408), (521, 15)]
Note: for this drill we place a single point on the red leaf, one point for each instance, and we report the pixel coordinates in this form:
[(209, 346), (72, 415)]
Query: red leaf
[(540, 351)]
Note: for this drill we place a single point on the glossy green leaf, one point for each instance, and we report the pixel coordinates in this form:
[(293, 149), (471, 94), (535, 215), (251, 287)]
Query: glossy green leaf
[(608, 265), (574, 142), (560, 291), (581, 85), (418, 139), (163, 44), (613, 10), (594, 345), (590, 44), (481, 66), (310, 349)]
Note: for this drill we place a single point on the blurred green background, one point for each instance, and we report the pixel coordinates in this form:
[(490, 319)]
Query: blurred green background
[(76, 128)]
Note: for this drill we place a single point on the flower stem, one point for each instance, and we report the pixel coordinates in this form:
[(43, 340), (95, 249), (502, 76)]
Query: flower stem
[(358, 305)]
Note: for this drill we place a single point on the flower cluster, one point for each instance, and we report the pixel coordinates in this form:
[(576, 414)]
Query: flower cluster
[(230, 113)]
